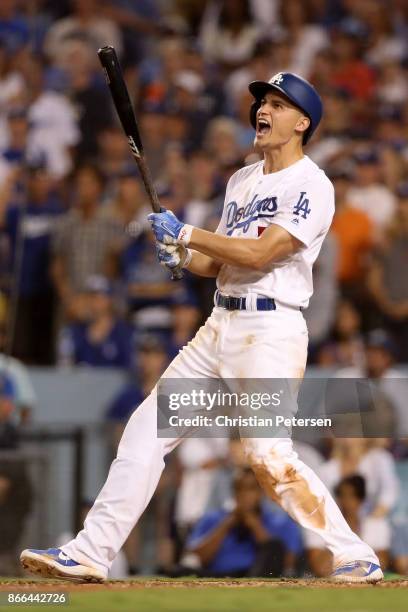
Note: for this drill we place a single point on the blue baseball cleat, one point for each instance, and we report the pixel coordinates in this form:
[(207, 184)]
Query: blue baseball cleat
[(358, 571), (54, 563)]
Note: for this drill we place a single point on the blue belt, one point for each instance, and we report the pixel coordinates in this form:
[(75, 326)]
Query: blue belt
[(239, 303)]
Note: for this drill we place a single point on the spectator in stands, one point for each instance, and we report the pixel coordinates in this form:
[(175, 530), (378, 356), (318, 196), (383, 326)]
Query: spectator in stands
[(177, 131), (212, 97), (153, 122), (345, 348), (306, 39), (385, 380), (392, 83), (139, 23), (366, 458), (9, 436), (88, 92), (114, 158), (157, 72), (53, 121), (399, 545), (186, 99), (321, 311), (128, 204), (250, 540), (104, 340), (354, 233), (258, 67), (14, 31), (393, 145), (189, 12), (33, 339), (3, 311), (228, 35), (205, 182), (368, 194), (384, 45), (388, 131), (13, 370), (351, 73), (387, 285), (336, 130), (82, 239), (86, 22), (322, 69), (16, 498), (16, 151), (12, 89), (221, 141)]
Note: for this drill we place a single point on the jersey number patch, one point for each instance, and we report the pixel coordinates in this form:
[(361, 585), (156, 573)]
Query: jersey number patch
[(302, 206)]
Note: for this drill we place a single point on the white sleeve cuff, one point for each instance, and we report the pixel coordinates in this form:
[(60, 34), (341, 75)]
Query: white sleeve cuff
[(184, 236)]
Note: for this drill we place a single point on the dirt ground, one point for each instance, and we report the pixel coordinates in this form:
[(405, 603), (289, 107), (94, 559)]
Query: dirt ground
[(121, 585)]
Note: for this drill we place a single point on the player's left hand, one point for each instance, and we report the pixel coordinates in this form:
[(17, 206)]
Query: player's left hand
[(168, 229), (172, 255)]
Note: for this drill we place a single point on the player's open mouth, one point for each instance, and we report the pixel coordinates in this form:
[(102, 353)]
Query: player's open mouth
[(263, 127)]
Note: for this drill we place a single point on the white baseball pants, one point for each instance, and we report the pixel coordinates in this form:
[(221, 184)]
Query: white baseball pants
[(231, 344)]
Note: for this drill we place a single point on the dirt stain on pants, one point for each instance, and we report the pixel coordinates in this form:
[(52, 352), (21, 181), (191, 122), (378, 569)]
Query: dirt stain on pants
[(291, 491)]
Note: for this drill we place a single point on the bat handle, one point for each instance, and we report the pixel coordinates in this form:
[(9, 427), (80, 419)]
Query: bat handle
[(176, 274)]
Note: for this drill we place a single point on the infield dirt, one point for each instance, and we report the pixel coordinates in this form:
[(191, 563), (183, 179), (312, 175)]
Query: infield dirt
[(195, 583)]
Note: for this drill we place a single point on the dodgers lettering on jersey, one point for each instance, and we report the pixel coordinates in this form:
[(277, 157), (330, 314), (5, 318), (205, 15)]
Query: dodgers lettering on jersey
[(300, 199), (243, 217)]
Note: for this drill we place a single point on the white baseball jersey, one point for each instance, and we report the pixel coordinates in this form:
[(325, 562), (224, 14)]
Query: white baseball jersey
[(300, 199)]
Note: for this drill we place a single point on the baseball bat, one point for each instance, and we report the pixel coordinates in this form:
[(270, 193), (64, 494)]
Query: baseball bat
[(120, 95)]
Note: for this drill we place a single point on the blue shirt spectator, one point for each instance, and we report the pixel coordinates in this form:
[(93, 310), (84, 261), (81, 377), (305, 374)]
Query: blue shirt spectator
[(238, 553), (252, 540), (8, 429), (102, 340), (37, 230), (125, 403), (114, 350), (19, 382), (14, 31), (38, 217)]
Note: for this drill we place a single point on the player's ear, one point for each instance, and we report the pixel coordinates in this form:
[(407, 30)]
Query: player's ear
[(302, 124)]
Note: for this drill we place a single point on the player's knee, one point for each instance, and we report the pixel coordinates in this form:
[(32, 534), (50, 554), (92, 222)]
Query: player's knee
[(266, 450)]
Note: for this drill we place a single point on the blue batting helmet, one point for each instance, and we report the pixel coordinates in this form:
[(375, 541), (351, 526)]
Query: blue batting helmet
[(299, 91)]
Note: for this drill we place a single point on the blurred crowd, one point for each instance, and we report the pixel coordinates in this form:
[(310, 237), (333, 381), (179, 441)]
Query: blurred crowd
[(79, 279)]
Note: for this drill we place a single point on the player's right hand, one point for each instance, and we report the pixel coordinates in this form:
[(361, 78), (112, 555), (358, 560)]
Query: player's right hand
[(172, 255)]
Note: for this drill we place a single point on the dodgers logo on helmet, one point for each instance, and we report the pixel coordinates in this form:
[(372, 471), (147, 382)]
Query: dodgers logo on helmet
[(277, 78)]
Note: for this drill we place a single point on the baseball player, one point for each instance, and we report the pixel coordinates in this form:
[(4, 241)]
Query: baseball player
[(276, 215)]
